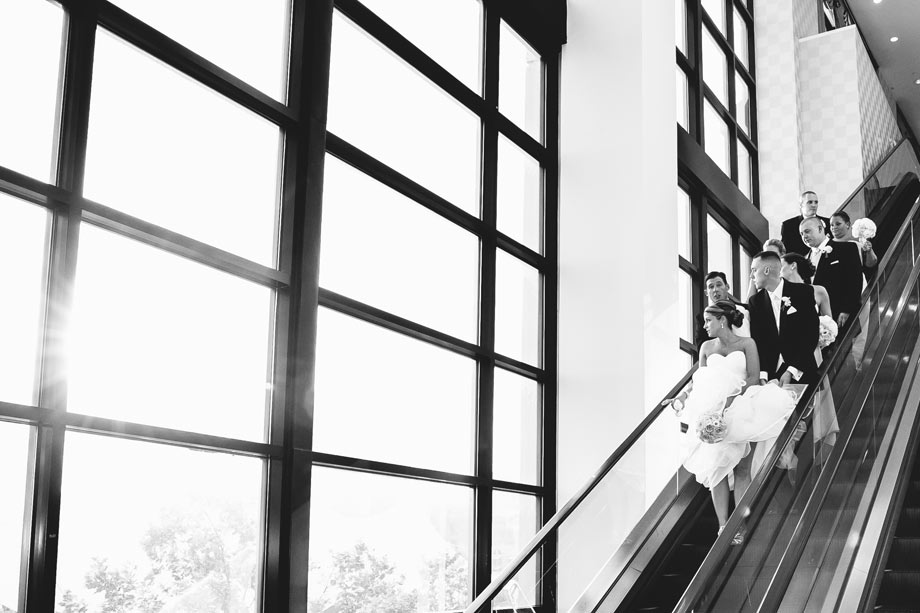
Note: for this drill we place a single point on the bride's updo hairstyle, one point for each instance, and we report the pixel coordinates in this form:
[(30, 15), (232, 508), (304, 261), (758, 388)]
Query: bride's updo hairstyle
[(803, 265), (726, 309)]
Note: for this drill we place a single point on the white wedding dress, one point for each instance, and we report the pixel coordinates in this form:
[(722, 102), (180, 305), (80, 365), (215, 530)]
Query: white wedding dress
[(758, 414)]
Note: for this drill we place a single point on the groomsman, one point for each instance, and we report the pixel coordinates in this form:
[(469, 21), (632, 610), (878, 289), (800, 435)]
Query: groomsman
[(717, 288), (784, 323), (838, 268), (808, 207)]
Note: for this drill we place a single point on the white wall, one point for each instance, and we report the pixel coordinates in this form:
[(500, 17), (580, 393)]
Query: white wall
[(775, 35), (618, 319), (847, 123), (830, 116)]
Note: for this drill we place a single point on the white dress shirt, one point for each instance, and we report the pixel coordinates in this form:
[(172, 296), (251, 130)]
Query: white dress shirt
[(815, 256)]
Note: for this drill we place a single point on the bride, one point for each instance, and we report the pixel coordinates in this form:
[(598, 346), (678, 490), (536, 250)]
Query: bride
[(723, 422)]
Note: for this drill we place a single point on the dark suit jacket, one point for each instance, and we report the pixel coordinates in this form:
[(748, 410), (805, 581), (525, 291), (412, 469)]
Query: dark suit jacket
[(791, 237), (840, 273), (797, 336)]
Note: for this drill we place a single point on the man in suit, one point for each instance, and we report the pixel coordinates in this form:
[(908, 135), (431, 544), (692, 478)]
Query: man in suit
[(784, 323), (838, 269), (717, 289), (808, 205)]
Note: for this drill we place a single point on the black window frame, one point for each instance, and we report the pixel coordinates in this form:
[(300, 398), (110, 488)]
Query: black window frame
[(287, 451)]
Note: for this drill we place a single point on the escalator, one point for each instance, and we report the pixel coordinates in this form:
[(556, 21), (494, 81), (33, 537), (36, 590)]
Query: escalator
[(641, 534), (679, 560), (899, 589)]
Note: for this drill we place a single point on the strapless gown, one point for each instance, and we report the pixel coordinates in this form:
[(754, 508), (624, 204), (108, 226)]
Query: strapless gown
[(757, 414)]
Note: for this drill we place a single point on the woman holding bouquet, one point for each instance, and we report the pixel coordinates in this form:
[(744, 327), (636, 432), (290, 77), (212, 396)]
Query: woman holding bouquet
[(861, 232), (843, 230), (799, 269), (722, 421)]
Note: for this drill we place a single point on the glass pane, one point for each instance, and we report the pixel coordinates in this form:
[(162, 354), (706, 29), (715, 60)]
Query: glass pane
[(384, 396), (517, 309), (516, 436), (716, 11), (683, 100), (744, 270), (197, 164), (514, 522), (148, 527), (520, 83), (30, 52), (449, 31), (15, 483), (683, 225), (741, 38), (687, 361), (383, 249), (263, 24), (160, 340), (519, 195), (685, 305), (23, 249), (744, 170), (388, 544), (715, 67), (742, 104), (381, 105), (599, 540), (719, 247), (716, 135), (680, 25)]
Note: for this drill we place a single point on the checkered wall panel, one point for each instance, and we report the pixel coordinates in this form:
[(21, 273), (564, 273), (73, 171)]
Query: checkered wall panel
[(777, 110), (829, 116), (878, 125), (805, 17)]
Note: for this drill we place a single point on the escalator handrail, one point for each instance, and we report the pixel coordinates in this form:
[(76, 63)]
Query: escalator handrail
[(722, 544), (874, 172), (499, 582)]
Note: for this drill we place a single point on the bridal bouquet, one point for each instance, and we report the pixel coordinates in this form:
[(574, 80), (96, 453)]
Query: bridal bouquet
[(827, 331), (711, 427), (864, 229)]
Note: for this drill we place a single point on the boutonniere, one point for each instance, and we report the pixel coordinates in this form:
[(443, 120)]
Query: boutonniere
[(825, 249), (787, 305)]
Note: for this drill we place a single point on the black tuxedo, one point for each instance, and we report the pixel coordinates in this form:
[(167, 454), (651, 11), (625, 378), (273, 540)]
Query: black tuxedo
[(791, 237), (840, 273), (797, 336)]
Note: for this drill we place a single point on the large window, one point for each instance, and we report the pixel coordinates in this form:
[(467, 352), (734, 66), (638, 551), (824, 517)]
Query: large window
[(715, 107), (279, 319), (715, 85), (432, 343), (708, 240)]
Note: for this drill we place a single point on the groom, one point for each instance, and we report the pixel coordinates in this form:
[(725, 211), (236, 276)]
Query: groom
[(784, 323)]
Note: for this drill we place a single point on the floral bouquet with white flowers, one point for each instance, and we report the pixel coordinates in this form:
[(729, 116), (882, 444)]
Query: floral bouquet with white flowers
[(711, 427), (827, 331), (864, 229)]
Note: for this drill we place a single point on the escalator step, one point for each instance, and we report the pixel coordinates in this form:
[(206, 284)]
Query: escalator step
[(909, 524), (900, 588), (912, 499), (702, 535), (668, 588), (688, 556), (905, 553)]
